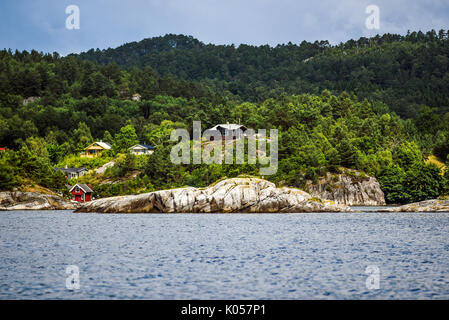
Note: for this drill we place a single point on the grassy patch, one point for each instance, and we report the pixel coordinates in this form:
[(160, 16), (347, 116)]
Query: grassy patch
[(437, 162)]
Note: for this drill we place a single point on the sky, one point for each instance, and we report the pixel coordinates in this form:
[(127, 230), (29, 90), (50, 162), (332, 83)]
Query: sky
[(41, 24)]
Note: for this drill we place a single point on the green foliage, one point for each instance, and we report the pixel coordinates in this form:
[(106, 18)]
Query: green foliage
[(445, 188), (392, 180), (125, 139), (419, 182), (441, 149), (75, 161), (24, 164), (161, 171), (124, 164), (8, 174), (407, 154), (133, 186), (107, 137), (82, 136), (423, 182), (86, 98), (404, 72)]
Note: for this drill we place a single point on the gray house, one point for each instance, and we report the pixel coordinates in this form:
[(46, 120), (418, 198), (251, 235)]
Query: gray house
[(72, 173)]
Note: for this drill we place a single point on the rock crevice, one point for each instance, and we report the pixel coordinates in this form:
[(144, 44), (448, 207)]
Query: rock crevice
[(351, 188)]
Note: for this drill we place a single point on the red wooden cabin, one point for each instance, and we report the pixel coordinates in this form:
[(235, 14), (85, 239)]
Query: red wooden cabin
[(81, 193)]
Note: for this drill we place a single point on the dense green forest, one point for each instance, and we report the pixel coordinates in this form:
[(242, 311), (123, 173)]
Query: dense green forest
[(378, 105), (402, 71)]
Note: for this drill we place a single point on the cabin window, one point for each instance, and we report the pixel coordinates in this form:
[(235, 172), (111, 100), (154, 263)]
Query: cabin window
[(77, 189)]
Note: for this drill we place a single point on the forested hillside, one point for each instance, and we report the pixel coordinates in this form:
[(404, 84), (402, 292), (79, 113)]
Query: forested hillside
[(333, 110), (402, 71)]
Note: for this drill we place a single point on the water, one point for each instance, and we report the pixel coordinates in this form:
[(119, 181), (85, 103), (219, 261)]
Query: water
[(235, 256)]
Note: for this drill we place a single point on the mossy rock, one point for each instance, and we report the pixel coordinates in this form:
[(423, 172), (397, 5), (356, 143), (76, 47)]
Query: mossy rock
[(315, 199)]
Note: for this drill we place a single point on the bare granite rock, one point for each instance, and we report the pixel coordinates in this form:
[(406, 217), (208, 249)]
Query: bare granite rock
[(246, 195), (103, 168), (351, 188), (17, 200), (434, 205)]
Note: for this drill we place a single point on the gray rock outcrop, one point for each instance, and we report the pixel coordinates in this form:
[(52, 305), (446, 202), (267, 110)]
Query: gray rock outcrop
[(434, 205), (351, 188), (246, 195), (33, 201)]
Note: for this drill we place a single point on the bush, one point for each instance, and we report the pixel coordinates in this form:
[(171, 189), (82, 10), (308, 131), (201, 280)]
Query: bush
[(75, 161), (124, 164)]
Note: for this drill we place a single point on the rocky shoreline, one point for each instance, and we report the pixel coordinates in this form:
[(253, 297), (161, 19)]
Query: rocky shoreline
[(236, 195), (17, 200), (435, 205), (351, 188)]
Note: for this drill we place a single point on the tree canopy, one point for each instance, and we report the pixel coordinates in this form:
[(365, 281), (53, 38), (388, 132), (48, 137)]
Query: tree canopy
[(379, 105)]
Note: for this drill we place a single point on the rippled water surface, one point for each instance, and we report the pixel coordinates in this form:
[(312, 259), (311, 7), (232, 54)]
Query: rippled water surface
[(269, 256)]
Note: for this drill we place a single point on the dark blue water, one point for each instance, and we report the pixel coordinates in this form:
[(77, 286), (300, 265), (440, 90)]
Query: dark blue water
[(295, 256)]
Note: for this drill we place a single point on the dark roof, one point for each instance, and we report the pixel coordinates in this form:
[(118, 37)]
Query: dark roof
[(147, 146), (231, 126), (84, 187), (71, 170)]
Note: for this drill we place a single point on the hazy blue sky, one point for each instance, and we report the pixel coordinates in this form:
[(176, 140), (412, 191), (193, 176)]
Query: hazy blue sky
[(40, 24)]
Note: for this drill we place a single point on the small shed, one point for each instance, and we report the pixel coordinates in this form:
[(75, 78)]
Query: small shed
[(81, 193)]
